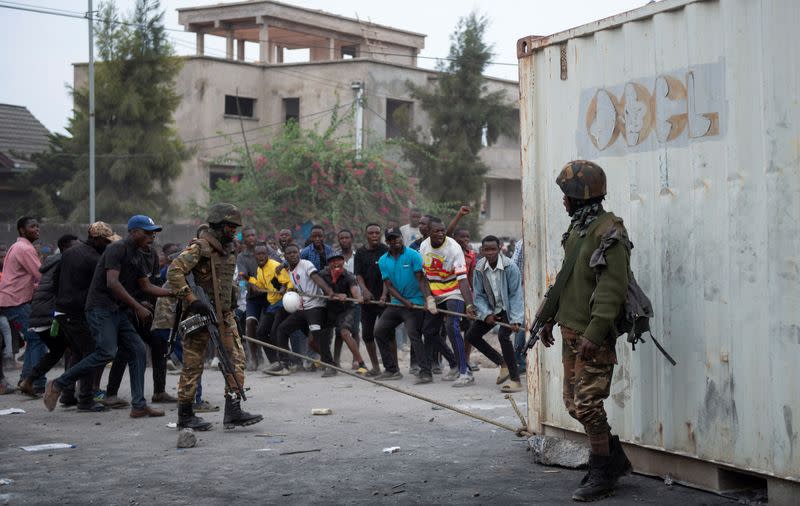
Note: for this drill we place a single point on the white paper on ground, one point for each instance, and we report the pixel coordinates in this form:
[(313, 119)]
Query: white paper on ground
[(11, 411), (47, 446)]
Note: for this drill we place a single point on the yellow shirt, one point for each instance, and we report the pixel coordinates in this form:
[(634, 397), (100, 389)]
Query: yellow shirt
[(264, 277)]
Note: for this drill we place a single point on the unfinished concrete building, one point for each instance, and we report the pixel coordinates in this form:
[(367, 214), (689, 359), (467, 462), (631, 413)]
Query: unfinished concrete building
[(344, 57)]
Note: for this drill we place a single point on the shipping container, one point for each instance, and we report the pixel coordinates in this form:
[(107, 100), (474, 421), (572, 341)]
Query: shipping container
[(691, 107)]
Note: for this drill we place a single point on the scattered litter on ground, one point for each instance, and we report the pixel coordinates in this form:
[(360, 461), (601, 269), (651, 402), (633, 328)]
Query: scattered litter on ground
[(436, 408), (391, 449), (343, 386), (172, 425), (263, 450), (46, 446), (668, 481), (394, 432), (321, 411), (270, 435), (11, 411), (6, 481), (301, 451), (187, 439), (551, 471)]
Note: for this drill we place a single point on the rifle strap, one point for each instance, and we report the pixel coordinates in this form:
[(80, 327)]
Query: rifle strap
[(217, 305)]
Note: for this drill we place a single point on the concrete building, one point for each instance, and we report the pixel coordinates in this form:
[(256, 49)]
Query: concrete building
[(345, 57)]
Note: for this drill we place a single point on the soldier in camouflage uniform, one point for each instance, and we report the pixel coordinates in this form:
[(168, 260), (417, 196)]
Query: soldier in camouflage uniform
[(213, 245), (588, 305)]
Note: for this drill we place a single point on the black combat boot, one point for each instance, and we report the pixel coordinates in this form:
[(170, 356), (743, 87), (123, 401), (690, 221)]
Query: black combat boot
[(620, 465), (235, 417), (599, 483), (187, 420)]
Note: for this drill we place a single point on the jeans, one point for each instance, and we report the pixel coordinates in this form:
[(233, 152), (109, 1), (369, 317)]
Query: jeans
[(78, 338), (384, 334), (158, 355), (433, 339), (35, 349), (112, 329)]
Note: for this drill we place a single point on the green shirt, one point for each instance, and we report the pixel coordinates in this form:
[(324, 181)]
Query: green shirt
[(589, 303)]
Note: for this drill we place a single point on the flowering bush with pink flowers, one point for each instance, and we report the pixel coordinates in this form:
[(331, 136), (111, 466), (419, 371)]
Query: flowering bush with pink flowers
[(305, 176)]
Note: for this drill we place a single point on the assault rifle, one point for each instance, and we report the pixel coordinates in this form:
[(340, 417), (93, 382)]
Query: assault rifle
[(211, 324), (544, 314)]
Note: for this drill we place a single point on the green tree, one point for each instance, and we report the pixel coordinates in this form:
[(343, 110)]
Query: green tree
[(462, 113), (138, 152), (303, 176)]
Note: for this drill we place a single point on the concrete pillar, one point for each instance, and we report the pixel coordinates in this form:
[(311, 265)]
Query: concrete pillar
[(229, 45), (331, 49), (264, 54), (240, 49), (279, 55), (201, 43)]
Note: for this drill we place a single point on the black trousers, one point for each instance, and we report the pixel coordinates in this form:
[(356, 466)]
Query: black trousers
[(158, 351), (79, 340), (384, 335), (369, 317), (267, 332), (311, 320), (433, 327), (475, 334)]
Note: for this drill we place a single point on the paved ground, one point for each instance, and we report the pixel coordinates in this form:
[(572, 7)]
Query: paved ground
[(445, 458)]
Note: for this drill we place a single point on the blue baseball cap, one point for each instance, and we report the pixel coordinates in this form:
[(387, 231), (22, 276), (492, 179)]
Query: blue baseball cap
[(143, 222)]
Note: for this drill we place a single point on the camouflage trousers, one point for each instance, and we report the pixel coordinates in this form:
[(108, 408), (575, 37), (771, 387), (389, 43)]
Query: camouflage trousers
[(587, 384), (194, 352)]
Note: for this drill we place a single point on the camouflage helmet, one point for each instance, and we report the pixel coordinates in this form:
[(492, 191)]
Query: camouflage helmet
[(582, 179), (224, 212)]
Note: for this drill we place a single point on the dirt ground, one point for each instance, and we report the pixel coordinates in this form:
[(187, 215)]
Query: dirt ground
[(444, 457)]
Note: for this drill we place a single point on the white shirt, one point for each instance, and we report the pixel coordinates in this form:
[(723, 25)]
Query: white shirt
[(493, 276), (444, 267), (410, 234), (301, 277)]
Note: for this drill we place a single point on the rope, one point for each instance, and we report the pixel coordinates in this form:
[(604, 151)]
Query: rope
[(519, 431)]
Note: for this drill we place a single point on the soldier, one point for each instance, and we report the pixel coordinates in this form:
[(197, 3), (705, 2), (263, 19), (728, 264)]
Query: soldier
[(588, 305), (211, 261)]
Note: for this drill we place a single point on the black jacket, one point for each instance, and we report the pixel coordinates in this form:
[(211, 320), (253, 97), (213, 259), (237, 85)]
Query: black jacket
[(44, 298)]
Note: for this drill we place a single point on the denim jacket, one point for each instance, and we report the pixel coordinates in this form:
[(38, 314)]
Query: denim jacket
[(510, 291)]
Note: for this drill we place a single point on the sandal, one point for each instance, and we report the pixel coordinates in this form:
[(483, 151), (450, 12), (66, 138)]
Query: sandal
[(511, 387)]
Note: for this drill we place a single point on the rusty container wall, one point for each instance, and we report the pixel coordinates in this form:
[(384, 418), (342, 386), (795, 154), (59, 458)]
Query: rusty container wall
[(692, 109)]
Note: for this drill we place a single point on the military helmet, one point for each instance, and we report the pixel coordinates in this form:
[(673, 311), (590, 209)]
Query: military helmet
[(582, 179), (224, 212)]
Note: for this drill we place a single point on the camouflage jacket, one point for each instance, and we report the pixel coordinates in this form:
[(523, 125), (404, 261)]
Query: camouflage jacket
[(196, 260)]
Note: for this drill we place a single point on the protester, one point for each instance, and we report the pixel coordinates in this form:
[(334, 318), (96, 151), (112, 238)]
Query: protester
[(247, 267), (345, 240), (317, 252), (311, 316), (404, 281), (119, 271), (498, 298), (41, 322), (410, 230), (370, 280), (20, 278), (285, 238), (446, 271), (340, 314)]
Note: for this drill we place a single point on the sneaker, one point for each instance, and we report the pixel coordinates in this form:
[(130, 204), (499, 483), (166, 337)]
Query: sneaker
[(67, 402), (424, 378), (451, 375), (99, 395), (94, 407), (204, 407), (372, 373), (464, 380), (474, 367), (292, 368), (115, 402), (329, 372), (414, 370), (362, 371), (276, 369), (389, 376), (436, 369)]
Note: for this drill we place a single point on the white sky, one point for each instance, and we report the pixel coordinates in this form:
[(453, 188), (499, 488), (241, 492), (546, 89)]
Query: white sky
[(37, 50)]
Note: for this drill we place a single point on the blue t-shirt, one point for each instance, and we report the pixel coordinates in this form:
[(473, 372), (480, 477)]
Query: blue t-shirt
[(401, 272)]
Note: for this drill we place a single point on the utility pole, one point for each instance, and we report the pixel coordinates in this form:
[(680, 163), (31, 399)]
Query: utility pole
[(90, 17), (359, 87)]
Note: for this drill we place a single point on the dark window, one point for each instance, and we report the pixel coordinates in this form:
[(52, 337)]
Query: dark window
[(349, 52), (291, 109), (245, 108), (398, 117)]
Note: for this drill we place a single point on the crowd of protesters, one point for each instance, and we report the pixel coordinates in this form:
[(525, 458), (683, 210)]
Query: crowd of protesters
[(103, 299)]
